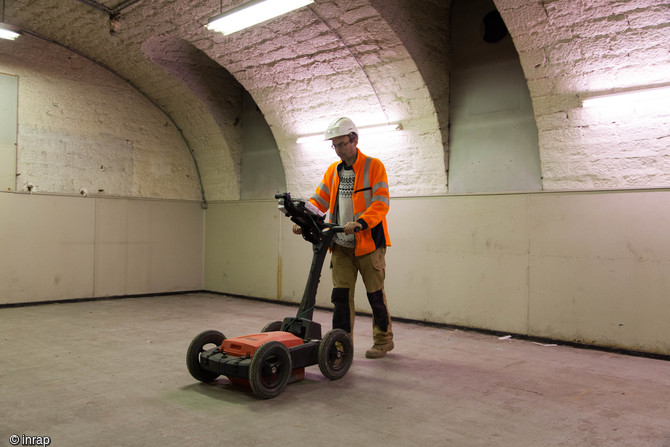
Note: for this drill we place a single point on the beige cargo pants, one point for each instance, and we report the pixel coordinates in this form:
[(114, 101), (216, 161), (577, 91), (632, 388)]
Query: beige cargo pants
[(372, 267)]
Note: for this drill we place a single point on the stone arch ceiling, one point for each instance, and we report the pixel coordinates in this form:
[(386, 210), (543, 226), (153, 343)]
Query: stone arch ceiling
[(333, 58), (570, 49), (371, 59), (577, 46), (217, 90)]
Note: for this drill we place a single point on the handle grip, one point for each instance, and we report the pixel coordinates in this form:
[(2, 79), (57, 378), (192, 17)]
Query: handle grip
[(339, 229)]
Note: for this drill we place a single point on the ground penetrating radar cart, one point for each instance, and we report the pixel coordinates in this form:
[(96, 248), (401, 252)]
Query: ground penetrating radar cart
[(266, 361)]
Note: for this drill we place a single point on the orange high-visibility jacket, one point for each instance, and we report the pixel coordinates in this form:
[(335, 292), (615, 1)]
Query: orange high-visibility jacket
[(370, 199)]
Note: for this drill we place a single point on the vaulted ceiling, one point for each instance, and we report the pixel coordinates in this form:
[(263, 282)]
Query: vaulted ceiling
[(374, 60)]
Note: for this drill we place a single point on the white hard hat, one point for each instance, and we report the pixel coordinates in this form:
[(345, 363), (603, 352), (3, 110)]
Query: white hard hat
[(340, 127)]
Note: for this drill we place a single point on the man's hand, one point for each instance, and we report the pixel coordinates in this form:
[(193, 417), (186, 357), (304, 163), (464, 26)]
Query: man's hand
[(297, 229), (351, 227)]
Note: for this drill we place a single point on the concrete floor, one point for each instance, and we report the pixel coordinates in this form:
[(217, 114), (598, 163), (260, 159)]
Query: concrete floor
[(112, 373)]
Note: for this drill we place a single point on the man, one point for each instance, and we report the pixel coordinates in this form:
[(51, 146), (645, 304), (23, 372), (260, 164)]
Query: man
[(355, 193)]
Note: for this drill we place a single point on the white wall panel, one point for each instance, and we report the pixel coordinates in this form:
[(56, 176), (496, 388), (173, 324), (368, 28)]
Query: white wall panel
[(241, 248), (460, 260), (58, 247), (600, 268), (46, 248), (148, 247)]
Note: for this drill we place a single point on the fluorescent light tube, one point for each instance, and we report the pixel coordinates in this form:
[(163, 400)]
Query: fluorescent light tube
[(310, 138), (380, 129), (8, 32), (630, 98), (253, 13), (367, 130)]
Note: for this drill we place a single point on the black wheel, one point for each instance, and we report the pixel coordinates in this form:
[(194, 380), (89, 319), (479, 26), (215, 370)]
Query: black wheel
[(202, 342), (270, 369), (336, 353), (271, 327)]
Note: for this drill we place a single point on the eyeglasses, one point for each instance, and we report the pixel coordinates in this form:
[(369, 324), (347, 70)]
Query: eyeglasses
[(340, 145)]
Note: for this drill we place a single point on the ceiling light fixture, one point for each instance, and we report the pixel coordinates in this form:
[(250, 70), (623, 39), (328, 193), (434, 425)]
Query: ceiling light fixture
[(253, 13), (363, 131), (7, 31), (629, 98)]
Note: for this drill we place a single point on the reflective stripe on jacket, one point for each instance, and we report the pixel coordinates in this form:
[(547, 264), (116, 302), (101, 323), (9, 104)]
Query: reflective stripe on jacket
[(370, 200)]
